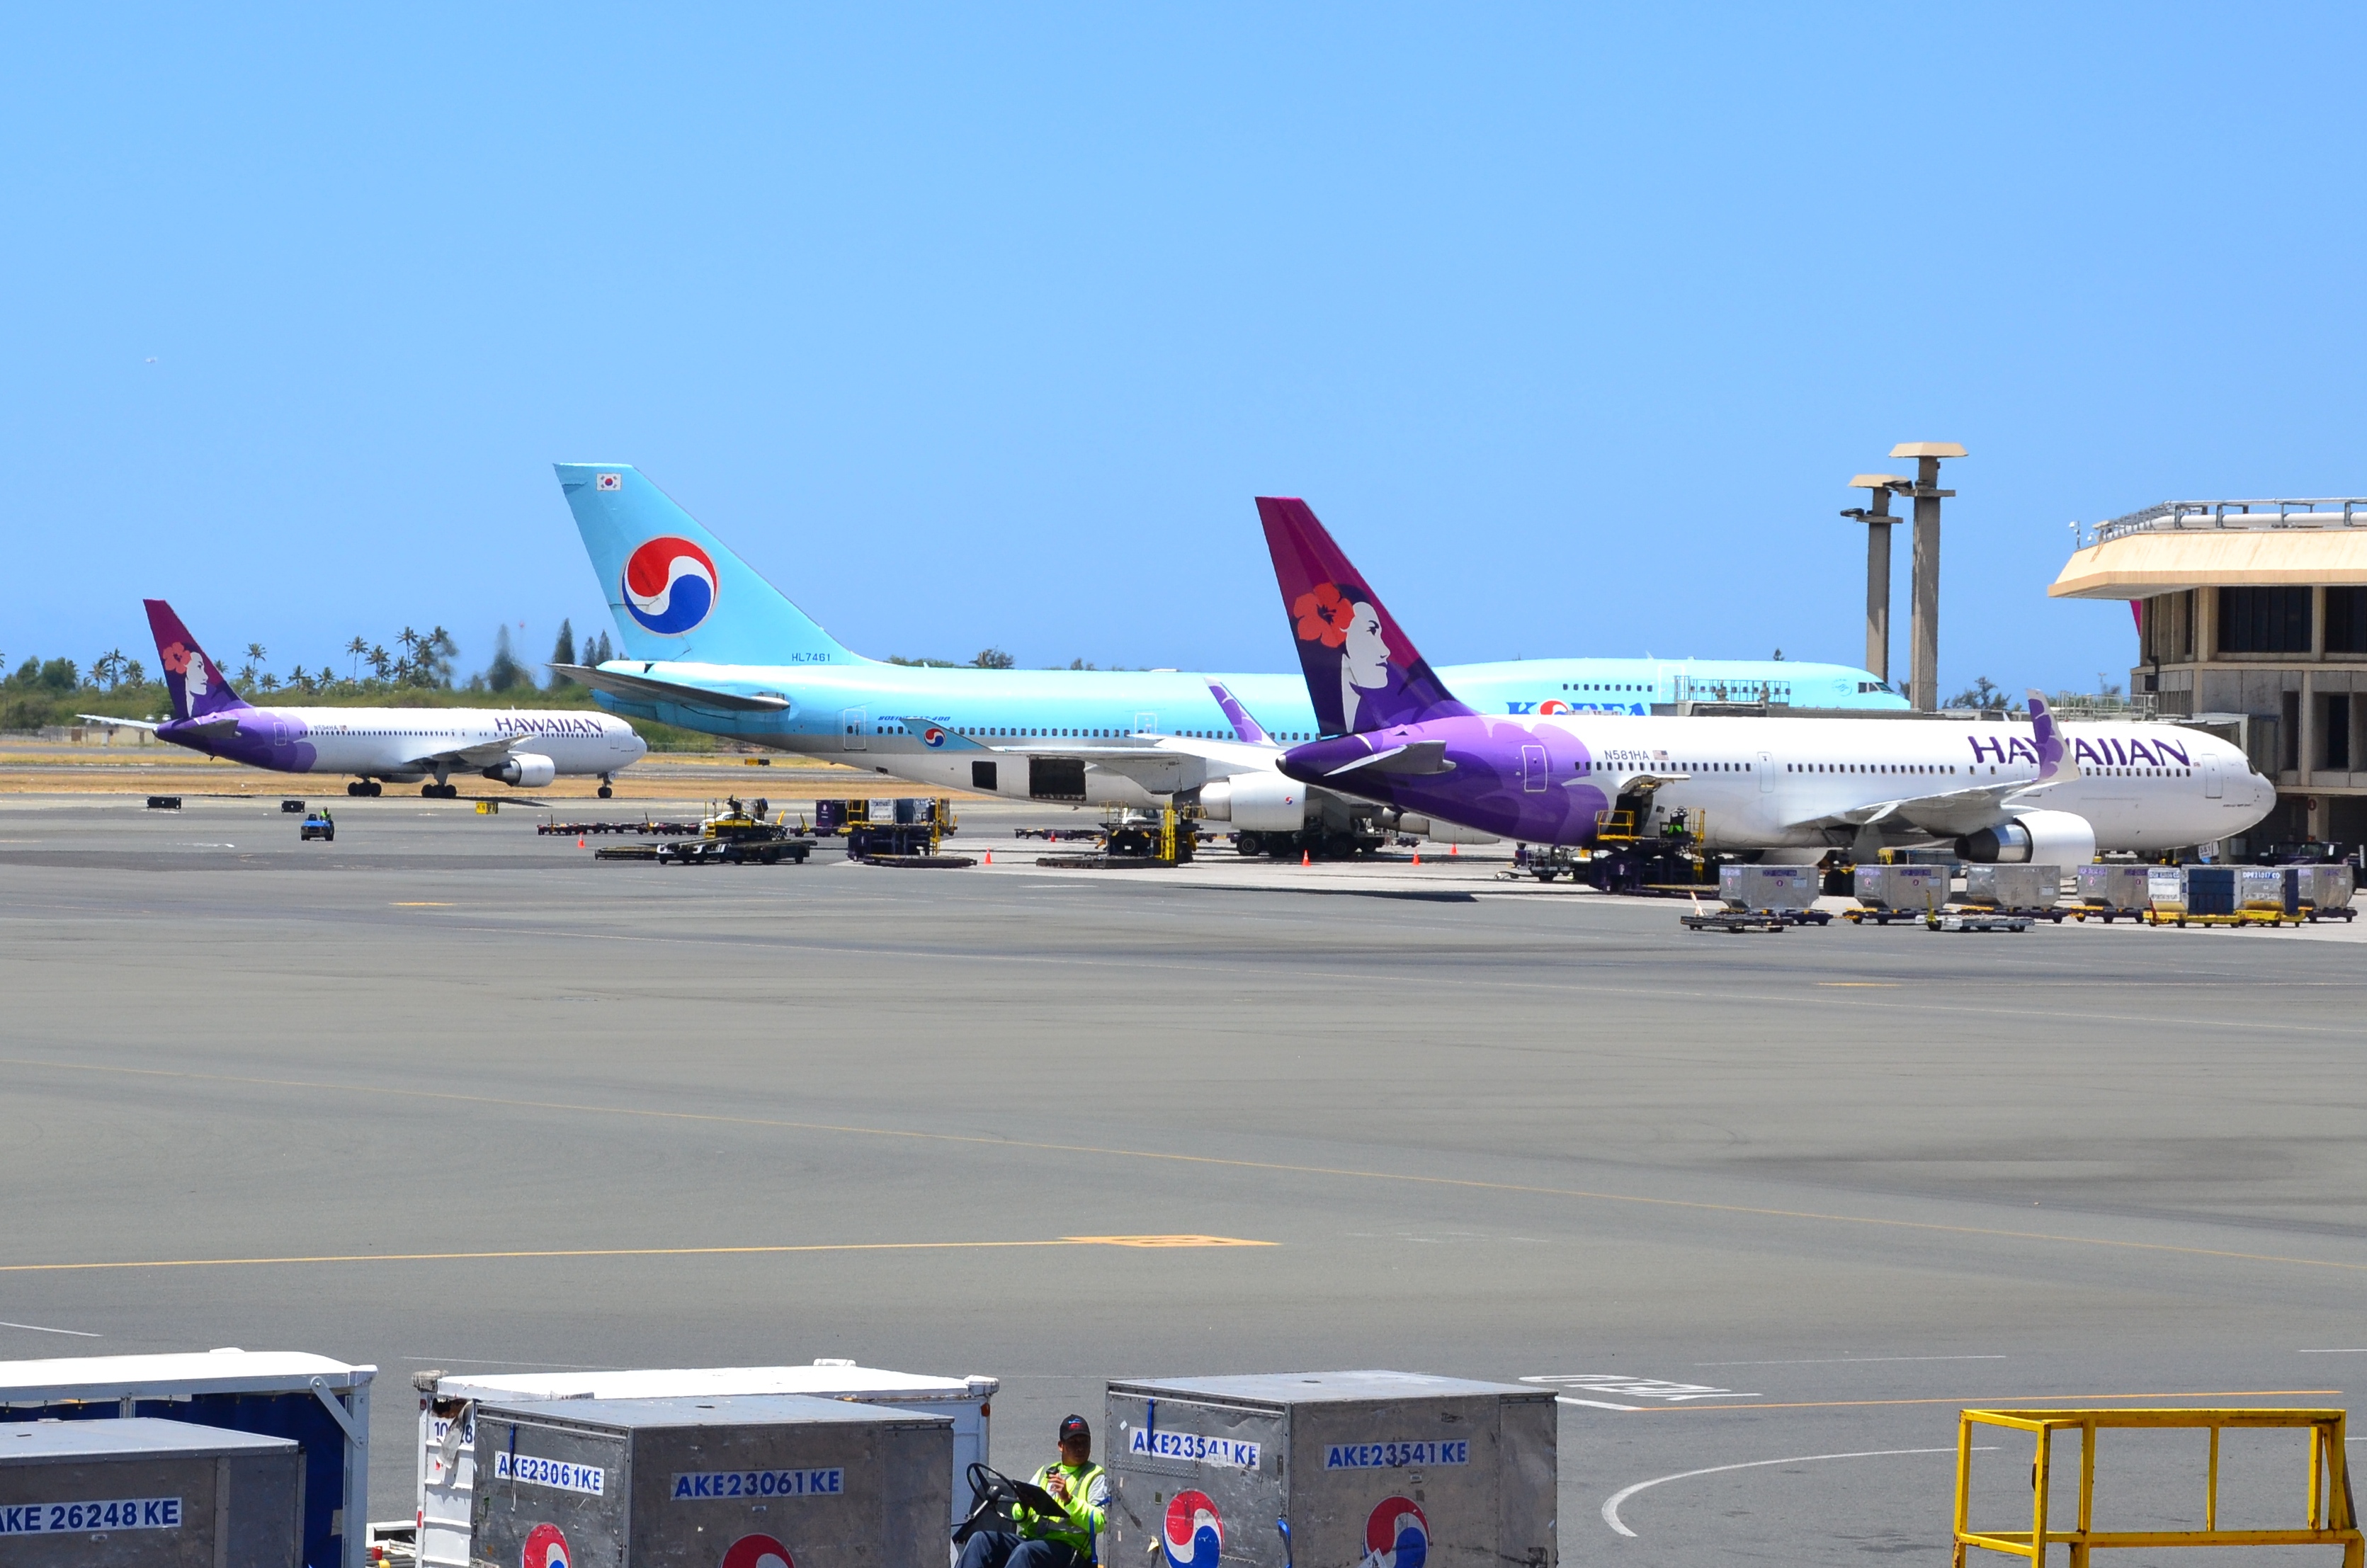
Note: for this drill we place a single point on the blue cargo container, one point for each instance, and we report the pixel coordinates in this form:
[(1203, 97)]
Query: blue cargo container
[(321, 1404)]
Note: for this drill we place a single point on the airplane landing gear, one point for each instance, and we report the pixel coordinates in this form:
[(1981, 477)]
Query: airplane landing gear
[(363, 786), (438, 792), (605, 782)]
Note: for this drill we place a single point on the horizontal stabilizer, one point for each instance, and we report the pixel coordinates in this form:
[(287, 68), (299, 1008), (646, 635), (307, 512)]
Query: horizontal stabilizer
[(647, 689), (113, 722), (1420, 758)]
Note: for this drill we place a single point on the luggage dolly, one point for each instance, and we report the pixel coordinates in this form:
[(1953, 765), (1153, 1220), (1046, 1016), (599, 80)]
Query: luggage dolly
[(1967, 922), (1736, 921)]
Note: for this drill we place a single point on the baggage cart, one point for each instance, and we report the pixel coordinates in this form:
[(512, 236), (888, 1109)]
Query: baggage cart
[(1899, 892), (2109, 893), (143, 1493), (1790, 891), (448, 1402), (2322, 892), (322, 1405), (1366, 1467), (736, 1480), (2027, 889)]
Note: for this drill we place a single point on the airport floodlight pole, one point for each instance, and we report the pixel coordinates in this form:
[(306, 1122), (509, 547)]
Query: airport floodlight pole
[(1923, 627), (1877, 519)]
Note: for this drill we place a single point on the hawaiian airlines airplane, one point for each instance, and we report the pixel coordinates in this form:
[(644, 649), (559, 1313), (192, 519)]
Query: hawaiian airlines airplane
[(711, 645), (378, 745), (2037, 791)]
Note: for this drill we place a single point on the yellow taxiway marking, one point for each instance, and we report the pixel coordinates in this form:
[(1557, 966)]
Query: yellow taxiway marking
[(1998, 1402), (638, 1252), (1463, 1183)]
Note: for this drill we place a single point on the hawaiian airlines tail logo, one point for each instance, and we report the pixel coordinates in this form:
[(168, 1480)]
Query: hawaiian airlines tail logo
[(1195, 1536), (545, 1548), (189, 665), (669, 585), (1397, 1535)]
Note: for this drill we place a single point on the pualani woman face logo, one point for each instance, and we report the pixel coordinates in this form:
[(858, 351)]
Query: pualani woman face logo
[(1347, 621)]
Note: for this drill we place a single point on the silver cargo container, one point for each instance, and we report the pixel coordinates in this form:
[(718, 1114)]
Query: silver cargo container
[(448, 1402), (2119, 888), (1769, 887), (137, 1492), (728, 1480), (1387, 1469), (1918, 889), (2261, 887), (2013, 886), (2322, 887)]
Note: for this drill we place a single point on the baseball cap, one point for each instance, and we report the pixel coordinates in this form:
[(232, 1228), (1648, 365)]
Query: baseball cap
[(1074, 1426)]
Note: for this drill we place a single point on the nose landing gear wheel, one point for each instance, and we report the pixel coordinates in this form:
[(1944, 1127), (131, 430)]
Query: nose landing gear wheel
[(605, 792)]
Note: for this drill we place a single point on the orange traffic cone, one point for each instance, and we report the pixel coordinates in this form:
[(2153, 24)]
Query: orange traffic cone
[(1304, 858), (1417, 857), (579, 841), (989, 857), (1454, 850)]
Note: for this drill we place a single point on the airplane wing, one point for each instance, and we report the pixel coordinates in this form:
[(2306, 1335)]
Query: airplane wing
[(1162, 764), (1956, 812), (645, 689), (483, 754), (124, 723)]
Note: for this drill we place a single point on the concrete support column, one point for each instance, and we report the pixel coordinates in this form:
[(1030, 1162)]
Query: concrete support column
[(1923, 625), (1878, 521)]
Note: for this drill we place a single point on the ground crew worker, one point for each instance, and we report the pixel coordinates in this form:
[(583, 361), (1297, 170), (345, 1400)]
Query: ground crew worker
[(1053, 1541)]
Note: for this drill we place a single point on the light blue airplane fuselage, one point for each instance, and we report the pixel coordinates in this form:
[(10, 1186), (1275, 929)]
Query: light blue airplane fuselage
[(696, 619)]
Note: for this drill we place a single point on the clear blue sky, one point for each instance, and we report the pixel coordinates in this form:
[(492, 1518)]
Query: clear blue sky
[(976, 325)]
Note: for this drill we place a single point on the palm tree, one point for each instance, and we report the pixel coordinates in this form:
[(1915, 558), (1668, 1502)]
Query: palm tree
[(109, 667), (380, 661), (360, 648), (269, 683), (255, 654), (134, 673)]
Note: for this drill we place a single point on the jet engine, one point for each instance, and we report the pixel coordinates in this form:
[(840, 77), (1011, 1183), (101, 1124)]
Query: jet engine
[(524, 768), (1256, 803), (1439, 832), (2034, 838)]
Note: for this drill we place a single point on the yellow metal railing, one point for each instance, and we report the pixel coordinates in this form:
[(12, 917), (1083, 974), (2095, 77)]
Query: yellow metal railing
[(1617, 826), (2332, 1520)]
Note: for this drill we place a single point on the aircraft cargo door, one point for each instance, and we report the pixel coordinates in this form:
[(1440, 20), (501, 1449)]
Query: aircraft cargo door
[(1533, 768), (1766, 773), (854, 726), (1056, 778), (2214, 784)]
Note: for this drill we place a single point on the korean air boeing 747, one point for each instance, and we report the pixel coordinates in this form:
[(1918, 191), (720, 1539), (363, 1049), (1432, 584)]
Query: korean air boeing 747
[(710, 645), (378, 744)]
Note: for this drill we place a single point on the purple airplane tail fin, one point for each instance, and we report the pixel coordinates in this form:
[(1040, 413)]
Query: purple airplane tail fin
[(194, 681), (1362, 670), (1245, 725), (2055, 758)]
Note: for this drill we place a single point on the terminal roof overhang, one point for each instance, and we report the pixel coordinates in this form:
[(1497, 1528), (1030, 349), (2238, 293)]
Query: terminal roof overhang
[(2138, 566)]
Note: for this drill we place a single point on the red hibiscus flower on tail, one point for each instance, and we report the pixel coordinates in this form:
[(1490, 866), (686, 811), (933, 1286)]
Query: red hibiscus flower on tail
[(176, 659), (1323, 613)]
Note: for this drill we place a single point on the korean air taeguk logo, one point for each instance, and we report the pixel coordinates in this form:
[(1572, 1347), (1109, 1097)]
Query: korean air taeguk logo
[(1194, 1536), (669, 585)]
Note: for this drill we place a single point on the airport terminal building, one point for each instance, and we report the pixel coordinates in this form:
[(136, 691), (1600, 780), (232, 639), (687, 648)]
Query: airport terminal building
[(2251, 620)]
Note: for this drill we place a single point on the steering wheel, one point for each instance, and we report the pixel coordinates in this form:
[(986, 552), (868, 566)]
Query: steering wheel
[(993, 1495)]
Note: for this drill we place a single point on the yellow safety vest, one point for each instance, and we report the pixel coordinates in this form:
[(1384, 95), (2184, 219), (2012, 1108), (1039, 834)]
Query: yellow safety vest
[(1088, 1508)]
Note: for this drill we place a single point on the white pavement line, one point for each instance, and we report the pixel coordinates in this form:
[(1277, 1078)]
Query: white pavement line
[(1594, 1403), (37, 1328), (1852, 1361), (1611, 1505), (2352, 1350)]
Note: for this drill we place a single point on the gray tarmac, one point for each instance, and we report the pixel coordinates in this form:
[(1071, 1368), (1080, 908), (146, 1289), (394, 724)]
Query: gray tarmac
[(449, 1094)]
